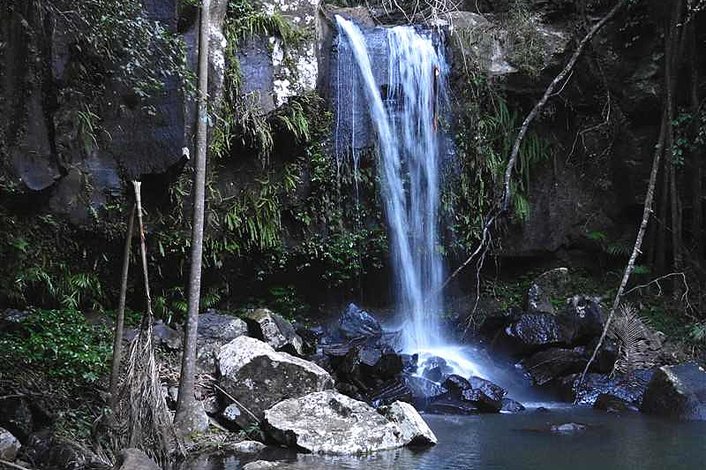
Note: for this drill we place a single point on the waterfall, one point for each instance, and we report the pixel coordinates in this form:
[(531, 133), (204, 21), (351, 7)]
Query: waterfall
[(403, 97)]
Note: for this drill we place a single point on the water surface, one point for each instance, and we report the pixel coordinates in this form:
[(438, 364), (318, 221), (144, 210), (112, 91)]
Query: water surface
[(629, 441)]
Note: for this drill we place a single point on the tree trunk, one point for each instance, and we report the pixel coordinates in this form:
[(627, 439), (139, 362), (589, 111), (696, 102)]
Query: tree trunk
[(647, 211), (186, 403), (697, 209), (120, 320), (673, 49)]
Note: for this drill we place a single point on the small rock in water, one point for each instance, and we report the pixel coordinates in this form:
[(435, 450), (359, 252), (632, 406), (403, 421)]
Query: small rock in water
[(249, 447), (261, 464), (568, 428)]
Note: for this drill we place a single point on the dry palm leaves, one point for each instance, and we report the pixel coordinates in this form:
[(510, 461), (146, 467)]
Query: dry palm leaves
[(141, 418), (639, 345)]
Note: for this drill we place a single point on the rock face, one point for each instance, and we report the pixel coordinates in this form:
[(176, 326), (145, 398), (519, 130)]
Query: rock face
[(215, 330), (9, 445), (274, 330), (677, 392), (273, 72), (330, 423), (135, 459), (258, 377), (415, 431)]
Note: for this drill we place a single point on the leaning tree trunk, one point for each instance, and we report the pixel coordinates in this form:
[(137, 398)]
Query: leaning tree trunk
[(186, 419), (120, 320)]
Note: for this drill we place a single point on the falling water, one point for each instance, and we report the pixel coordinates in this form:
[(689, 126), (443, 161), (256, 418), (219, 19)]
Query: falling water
[(404, 117)]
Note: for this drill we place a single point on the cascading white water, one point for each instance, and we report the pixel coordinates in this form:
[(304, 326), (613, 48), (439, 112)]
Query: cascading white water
[(405, 121)]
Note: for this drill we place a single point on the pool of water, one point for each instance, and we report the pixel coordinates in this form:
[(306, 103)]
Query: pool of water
[(502, 441)]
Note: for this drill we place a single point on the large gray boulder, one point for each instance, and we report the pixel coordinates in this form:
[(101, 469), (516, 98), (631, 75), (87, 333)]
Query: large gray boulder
[(330, 423), (9, 445), (274, 330), (215, 330), (415, 431), (258, 377), (677, 392)]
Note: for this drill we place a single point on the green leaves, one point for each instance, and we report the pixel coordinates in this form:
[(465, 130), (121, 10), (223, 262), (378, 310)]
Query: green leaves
[(61, 342)]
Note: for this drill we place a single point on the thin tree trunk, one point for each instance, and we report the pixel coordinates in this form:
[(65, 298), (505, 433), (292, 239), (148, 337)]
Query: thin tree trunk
[(697, 170), (663, 213), (673, 49), (647, 211), (149, 317), (186, 401), (120, 320)]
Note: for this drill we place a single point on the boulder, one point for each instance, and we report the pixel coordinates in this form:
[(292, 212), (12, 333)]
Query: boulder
[(274, 330), (549, 286), (9, 445), (449, 405), (436, 369), (357, 323), (583, 317), (258, 377), (215, 329), (135, 459), (423, 391), (630, 388), (166, 336), (534, 331), (330, 423), (677, 392), (550, 364), (511, 406), (488, 388), (613, 404), (472, 396), (415, 431)]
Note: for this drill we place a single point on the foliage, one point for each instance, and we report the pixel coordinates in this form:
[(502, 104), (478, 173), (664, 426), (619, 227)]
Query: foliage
[(37, 270), (60, 342), (527, 45), (690, 134), (484, 137)]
